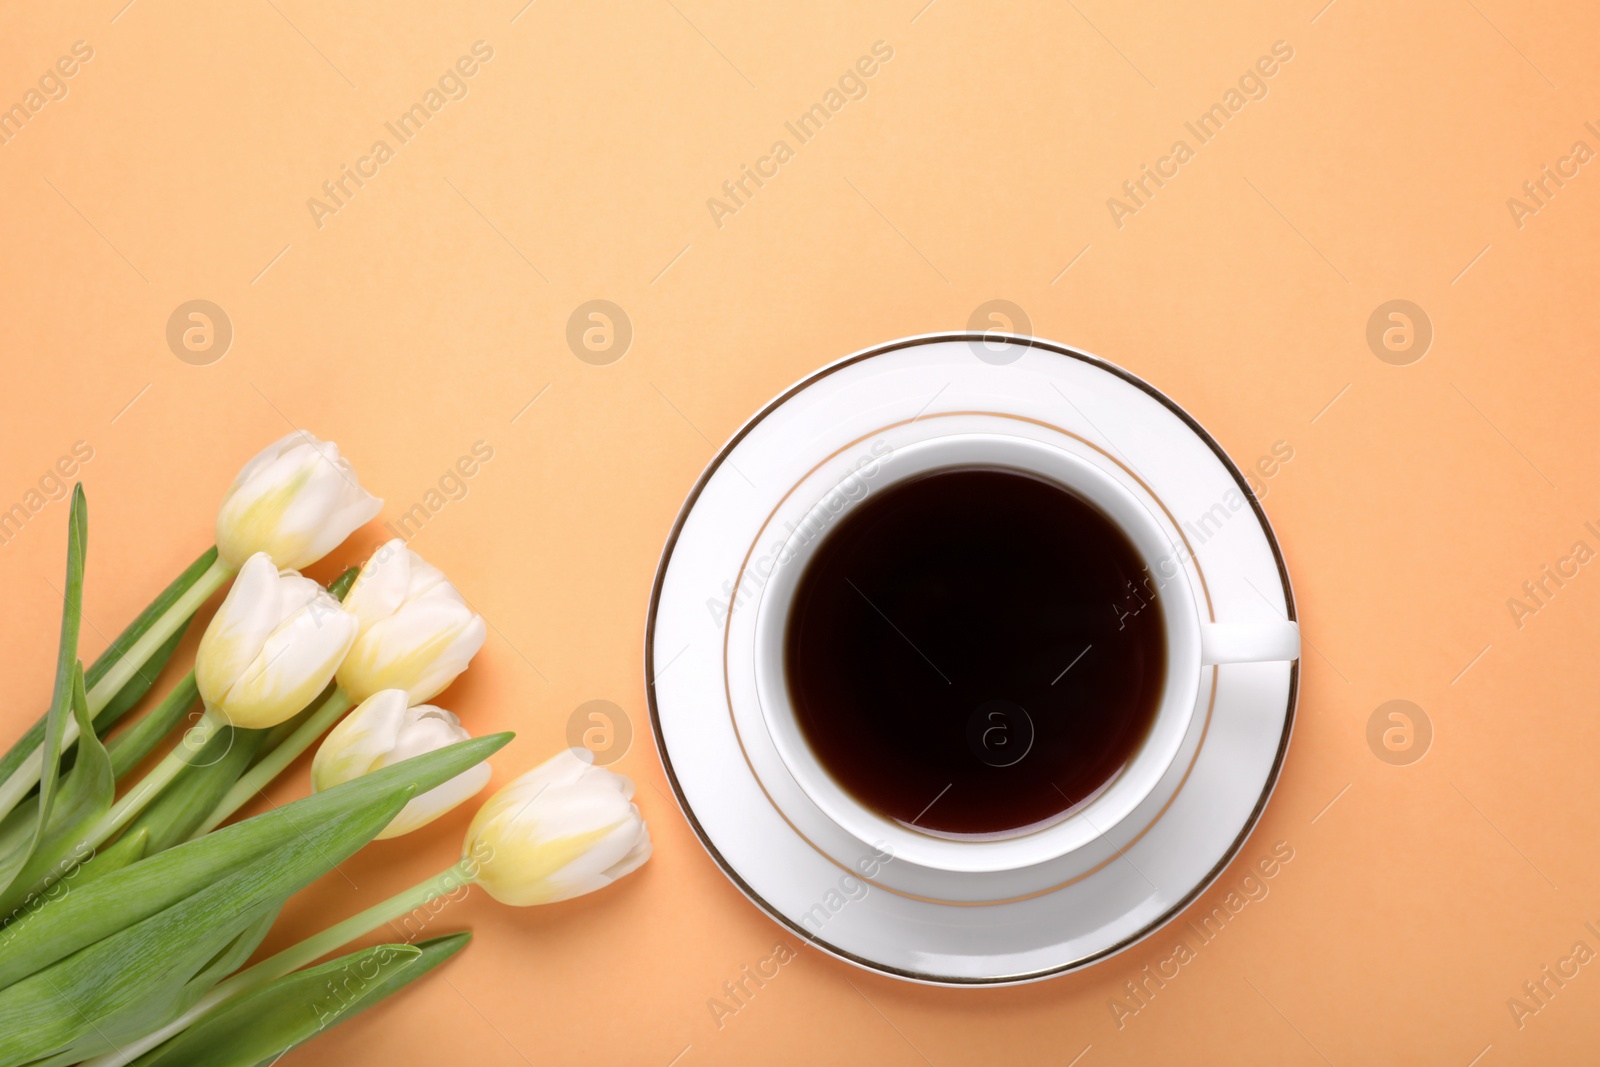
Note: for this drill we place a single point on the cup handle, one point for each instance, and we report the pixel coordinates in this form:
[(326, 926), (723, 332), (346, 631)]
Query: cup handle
[(1248, 642)]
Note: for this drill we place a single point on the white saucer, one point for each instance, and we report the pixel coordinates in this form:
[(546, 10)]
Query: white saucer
[(891, 916)]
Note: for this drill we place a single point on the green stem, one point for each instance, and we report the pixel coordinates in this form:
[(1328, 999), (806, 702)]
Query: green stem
[(447, 881), (129, 747), (278, 734), (139, 797), (274, 762), (141, 650), (150, 786), (272, 968), (26, 776)]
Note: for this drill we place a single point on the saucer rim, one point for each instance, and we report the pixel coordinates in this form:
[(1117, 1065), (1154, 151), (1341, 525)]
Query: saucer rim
[(693, 497)]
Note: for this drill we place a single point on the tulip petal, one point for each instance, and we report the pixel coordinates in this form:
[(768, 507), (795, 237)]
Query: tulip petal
[(254, 680), (239, 629), (427, 580), (263, 459), (421, 649), (591, 869), (361, 740), (383, 731), (296, 500), (422, 810), (425, 729), (563, 829), (417, 632), (380, 588)]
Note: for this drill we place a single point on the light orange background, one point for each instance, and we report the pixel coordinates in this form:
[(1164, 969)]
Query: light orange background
[(428, 311)]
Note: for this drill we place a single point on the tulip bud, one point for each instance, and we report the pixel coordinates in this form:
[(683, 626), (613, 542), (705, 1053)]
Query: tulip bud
[(383, 730), (272, 646), (416, 632), (564, 829), (295, 501)]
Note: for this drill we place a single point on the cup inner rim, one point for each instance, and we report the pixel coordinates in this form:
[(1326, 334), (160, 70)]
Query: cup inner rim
[(1068, 830)]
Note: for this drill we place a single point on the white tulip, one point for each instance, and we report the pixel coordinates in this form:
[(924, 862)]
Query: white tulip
[(384, 730), (416, 631), (295, 501), (273, 645), (563, 829)]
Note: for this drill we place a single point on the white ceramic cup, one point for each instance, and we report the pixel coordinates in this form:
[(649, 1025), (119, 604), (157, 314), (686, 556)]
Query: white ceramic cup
[(1193, 642)]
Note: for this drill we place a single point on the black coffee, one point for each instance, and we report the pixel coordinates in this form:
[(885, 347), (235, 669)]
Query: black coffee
[(974, 651)]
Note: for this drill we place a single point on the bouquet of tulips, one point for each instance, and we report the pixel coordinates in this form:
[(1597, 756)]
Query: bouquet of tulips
[(128, 910)]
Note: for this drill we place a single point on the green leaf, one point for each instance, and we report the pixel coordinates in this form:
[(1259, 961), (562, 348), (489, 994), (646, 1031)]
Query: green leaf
[(88, 913), (127, 849), (84, 796), (341, 585), (232, 958), (185, 803), (30, 742), (19, 825), (262, 1025), (276, 735), (68, 673), (132, 745), (120, 986), (128, 697), (146, 619)]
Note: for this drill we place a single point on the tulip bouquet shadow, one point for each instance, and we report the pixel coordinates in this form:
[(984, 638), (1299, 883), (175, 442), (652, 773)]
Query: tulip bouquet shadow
[(125, 921)]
